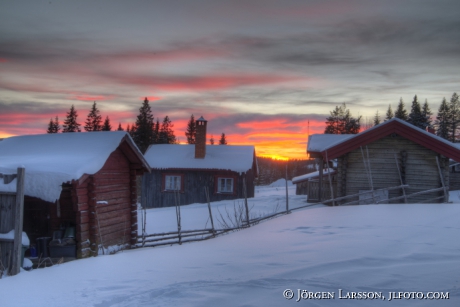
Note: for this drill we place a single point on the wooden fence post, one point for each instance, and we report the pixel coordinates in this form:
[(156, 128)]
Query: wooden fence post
[(18, 222), (206, 191), (246, 202)]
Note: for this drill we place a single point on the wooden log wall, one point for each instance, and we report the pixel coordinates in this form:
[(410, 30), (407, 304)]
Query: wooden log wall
[(194, 183), (454, 181), (7, 214), (417, 163), (104, 204)]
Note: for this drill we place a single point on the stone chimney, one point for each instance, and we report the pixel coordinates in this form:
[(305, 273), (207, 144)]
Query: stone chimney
[(200, 139)]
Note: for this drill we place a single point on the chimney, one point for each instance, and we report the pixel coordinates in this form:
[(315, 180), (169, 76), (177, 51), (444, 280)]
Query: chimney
[(200, 139), (430, 130)]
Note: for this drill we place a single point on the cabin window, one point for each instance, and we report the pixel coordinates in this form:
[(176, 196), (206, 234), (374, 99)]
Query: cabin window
[(173, 182), (224, 185)]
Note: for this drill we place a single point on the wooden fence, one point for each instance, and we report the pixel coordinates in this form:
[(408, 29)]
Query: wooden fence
[(11, 218), (180, 236)]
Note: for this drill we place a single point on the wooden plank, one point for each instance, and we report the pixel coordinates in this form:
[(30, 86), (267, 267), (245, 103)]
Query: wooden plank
[(18, 222)]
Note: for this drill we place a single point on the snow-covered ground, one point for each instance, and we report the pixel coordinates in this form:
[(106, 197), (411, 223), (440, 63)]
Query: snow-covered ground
[(385, 249)]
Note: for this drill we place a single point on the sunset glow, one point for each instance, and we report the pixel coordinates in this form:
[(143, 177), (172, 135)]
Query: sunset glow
[(264, 73)]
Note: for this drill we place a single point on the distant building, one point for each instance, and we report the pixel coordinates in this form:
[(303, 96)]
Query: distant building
[(181, 172)]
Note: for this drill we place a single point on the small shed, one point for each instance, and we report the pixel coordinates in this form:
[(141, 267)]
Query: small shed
[(84, 182), (180, 173), (308, 184), (391, 154)]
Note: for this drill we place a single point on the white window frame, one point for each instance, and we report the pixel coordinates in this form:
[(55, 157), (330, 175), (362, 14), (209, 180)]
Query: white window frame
[(225, 185), (173, 183)]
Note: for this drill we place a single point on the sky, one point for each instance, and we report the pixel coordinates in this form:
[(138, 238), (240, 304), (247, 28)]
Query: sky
[(263, 72)]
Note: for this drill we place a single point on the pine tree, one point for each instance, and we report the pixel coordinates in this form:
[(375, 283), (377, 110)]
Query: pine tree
[(211, 140), (442, 120), (454, 117), (191, 130), (120, 128), (70, 123), (53, 126), (389, 114), (106, 126), (376, 118), (426, 115), (131, 130), (94, 119), (50, 126), (156, 132), (416, 117), (143, 129), (401, 112), (166, 134), (342, 122), (223, 139)]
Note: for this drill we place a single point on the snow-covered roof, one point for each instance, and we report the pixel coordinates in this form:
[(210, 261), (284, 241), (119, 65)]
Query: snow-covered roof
[(218, 157), (53, 159), (319, 143), (308, 176)]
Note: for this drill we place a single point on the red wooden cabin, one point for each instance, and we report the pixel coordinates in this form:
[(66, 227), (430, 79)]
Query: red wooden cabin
[(97, 192)]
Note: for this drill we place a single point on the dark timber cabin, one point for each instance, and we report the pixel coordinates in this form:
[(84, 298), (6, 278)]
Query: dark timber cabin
[(390, 154), (181, 172), (86, 181)]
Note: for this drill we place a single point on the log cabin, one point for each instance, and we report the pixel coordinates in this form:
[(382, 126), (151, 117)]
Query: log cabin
[(80, 183), (180, 173), (391, 154)]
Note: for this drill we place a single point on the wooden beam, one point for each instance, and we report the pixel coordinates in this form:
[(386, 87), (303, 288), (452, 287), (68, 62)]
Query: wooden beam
[(18, 222)]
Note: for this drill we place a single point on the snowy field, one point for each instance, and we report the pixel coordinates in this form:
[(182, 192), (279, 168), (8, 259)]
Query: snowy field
[(377, 250)]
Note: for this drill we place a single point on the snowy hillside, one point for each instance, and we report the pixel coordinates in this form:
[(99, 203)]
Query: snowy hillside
[(378, 249)]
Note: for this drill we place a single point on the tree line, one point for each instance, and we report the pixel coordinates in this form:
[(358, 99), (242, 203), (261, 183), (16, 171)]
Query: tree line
[(446, 124), (145, 131)]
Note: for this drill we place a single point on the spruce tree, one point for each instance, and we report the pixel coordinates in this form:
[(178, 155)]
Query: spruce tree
[(120, 128), (50, 126), (94, 119), (211, 140), (53, 126), (389, 114), (426, 115), (223, 139), (156, 132), (342, 122), (401, 112), (70, 123), (166, 134), (142, 131), (442, 120), (415, 117), (191, 130), (454, 117), (106, 126), (376, 118)]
